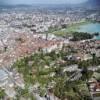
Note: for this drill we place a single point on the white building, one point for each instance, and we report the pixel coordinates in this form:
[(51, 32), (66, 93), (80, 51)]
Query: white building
[(3, 78)]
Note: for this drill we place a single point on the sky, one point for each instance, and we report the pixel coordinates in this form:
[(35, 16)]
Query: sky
[(41, 1)]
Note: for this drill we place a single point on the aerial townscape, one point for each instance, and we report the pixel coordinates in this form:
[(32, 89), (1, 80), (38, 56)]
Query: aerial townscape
[(50, 51)]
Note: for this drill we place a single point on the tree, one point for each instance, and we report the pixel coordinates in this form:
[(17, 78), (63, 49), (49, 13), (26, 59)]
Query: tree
[(86, 74), (2, 94)]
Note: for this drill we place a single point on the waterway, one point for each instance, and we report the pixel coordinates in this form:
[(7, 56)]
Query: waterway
[(90, 28)]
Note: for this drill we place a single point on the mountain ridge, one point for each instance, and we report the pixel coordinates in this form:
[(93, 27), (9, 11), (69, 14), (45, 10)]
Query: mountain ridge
[(89, 3)]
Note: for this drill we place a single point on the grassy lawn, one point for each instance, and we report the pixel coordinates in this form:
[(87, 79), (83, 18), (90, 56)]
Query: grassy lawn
[(70, 28)]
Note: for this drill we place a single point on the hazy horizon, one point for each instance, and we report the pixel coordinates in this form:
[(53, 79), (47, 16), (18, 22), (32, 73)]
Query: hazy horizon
[(30, 2)]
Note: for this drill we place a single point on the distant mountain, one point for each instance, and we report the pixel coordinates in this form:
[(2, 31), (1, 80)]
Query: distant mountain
[(93, 2), (89, 3)]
